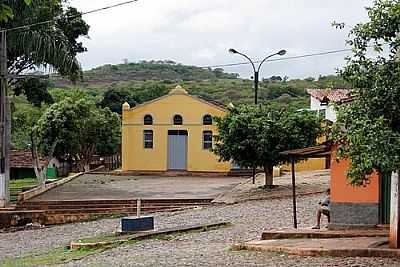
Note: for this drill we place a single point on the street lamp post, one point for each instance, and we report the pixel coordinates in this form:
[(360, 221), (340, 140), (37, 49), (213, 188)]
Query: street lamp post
[(256, 73)]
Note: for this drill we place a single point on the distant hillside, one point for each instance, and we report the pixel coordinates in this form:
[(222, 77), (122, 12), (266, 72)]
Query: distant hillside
[(148, 70), (145, 80)]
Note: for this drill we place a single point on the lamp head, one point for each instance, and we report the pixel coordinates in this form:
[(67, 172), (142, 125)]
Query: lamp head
[(282, 52), (233, 51)]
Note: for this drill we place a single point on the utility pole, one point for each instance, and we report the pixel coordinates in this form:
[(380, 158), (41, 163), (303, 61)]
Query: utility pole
[(5, 125)]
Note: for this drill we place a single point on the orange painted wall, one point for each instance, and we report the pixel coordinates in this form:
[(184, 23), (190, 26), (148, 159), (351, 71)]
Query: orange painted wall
[(341, 191)]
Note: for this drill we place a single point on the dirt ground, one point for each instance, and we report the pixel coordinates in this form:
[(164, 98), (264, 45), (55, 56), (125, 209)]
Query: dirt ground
[(307, 182), (94, 186)]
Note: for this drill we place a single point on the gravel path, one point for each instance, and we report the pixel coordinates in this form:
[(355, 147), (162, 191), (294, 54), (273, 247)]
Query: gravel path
[(192, 249)]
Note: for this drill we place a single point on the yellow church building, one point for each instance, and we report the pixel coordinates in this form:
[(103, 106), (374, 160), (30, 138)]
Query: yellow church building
[(171, 133)]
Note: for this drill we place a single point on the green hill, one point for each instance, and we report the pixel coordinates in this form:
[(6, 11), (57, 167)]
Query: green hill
[(138, 82), (149, 70)]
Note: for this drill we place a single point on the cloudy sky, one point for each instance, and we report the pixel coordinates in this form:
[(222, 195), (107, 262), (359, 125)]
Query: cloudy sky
[(200, 32)]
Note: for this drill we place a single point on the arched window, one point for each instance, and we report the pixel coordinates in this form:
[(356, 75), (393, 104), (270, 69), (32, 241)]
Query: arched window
[(148, 120), (207, 119), (178, 120)]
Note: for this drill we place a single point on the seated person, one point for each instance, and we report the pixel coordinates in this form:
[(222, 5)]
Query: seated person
[(323, 209)]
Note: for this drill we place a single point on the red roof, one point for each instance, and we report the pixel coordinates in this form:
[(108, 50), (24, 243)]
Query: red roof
[(334, 95), (21, 159)]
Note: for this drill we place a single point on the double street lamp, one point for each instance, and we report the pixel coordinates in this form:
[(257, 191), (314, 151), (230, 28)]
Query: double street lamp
[(256, 71)]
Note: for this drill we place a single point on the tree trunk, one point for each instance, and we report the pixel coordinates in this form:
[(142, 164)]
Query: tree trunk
[(269, 179), (86, 167), (41, 170)]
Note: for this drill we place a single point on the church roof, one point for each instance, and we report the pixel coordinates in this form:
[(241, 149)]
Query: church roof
[(179, 90)]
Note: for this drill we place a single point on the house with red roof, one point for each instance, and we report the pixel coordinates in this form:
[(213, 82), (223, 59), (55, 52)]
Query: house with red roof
[(324, 101), (351, 206)]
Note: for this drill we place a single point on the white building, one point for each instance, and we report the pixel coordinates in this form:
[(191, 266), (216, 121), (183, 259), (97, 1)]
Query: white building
[(324, 100)]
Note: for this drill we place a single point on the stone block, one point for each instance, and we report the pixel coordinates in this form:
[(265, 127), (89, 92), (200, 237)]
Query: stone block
[(135, 224)]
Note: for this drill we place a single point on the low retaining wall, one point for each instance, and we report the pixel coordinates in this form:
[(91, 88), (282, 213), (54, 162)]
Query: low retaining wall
[(41, 189)]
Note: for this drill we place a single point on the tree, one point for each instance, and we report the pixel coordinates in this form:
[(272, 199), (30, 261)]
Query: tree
[(74, 127), (368, 129), (24, 117), (7, 13), (52, 130), (114, 98), (52, 45), (35, 90), (254, 136)]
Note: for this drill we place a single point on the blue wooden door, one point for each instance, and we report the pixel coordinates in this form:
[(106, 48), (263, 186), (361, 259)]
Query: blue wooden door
[(177, 149)]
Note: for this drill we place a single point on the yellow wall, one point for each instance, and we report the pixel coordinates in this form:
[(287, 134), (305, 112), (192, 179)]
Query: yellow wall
[(135, 157), (307, 165), (312, 164)]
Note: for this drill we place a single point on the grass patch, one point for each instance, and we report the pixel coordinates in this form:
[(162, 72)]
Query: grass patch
[(102, 238), (23, 183), (55, 256), (19, 185)]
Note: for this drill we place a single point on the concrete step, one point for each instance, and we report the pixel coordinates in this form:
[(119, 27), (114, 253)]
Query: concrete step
[(112, 211), (117, 201)]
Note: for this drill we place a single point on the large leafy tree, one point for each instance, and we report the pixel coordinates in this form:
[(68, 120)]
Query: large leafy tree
[(254, 136), (77, 128), (6, 12), (35, 90), (52, 44), (114, 98), (368, 129)]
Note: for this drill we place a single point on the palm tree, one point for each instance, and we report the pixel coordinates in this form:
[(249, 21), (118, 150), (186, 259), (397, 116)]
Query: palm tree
[(52, 44)]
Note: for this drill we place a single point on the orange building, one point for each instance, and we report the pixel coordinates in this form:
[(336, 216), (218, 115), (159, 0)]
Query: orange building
[(353, 206)]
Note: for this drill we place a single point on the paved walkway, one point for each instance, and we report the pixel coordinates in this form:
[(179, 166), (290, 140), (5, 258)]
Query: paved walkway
[(334, 247), (333, 243), (94, 186)]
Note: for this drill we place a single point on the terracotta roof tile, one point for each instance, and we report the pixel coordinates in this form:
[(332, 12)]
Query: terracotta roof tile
[(334, 95), (21, 159)]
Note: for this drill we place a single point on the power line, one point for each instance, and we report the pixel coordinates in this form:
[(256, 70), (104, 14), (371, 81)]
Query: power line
[(282, 59), (68, 17)]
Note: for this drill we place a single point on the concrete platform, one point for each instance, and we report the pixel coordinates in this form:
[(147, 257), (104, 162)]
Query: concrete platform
[(323, 233), (333, 247), (97, 186), (307, 242)]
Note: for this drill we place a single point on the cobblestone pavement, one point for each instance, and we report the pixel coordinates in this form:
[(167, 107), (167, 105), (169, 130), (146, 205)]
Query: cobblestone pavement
[(307, 182), (209, 248)]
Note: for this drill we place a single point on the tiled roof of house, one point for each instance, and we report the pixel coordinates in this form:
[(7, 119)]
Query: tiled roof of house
[(334, 95), (21, 159)]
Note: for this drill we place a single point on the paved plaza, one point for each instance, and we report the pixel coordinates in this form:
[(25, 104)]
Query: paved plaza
[(99, 186)]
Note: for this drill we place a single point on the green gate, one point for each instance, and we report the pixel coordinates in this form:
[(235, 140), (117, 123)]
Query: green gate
[(385, 198)]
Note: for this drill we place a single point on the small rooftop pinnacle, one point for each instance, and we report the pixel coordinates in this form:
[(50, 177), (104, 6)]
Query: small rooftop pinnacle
[(126, 106)]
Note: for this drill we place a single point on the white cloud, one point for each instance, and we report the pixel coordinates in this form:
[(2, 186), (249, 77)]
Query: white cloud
[(200, 32)]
